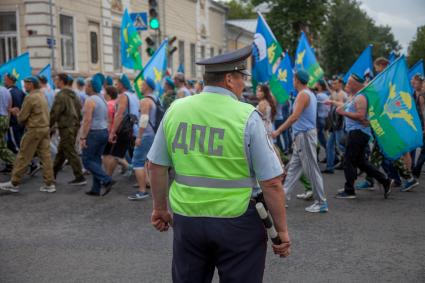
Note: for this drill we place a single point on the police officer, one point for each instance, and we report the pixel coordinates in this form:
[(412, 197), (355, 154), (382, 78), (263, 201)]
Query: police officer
[(218, 147), (66, 113), (34, 115)]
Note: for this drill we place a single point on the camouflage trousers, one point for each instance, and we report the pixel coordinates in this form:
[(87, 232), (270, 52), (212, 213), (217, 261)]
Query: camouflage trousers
[(377, 158), (5, 153)]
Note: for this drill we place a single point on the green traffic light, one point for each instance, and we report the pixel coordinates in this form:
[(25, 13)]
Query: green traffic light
[(154, 23)]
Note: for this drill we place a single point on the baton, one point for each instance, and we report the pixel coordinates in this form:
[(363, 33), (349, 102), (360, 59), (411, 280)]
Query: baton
[(268, 222)]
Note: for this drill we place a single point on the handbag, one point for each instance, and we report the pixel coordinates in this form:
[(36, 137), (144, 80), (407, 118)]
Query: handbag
[(127, 123)]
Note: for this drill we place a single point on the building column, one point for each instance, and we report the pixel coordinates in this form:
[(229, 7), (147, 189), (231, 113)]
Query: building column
[(106, 30), (38, 29)]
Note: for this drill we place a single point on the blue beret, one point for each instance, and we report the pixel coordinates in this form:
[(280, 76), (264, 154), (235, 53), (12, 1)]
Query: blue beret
[(358, 78), (109, 81), (31, 79), (11, 77), (80, 81), (101, 77), (170, 82), (302, 76), (125, 81), (96, 84), (70, 79), (150, 83)]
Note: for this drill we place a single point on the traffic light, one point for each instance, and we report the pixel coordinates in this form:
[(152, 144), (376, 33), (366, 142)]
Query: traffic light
[(171, 48), (153, 14), (151, 46)]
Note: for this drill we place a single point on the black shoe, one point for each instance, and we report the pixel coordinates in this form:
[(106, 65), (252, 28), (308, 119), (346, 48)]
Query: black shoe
[(78, 182), (323, 160), (108, 187), (327, 171), (34, 169), (93, 194), (387, 188), (340, 166), (6, 170)]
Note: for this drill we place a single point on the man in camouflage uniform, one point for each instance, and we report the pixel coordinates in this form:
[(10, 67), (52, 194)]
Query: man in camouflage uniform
[(34, 115), (66, 112), (5, 104)]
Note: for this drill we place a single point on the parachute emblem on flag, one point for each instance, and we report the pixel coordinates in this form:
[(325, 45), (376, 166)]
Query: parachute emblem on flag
[(398, 106), (260, 43), (300, 58), (271, 52), (282, 75), (158, 74)]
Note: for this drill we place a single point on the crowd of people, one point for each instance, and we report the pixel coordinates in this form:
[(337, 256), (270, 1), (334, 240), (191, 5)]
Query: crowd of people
[(91, 124), (96, 126)]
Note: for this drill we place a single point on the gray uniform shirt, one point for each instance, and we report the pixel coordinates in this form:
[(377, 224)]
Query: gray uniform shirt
[(262, 159)]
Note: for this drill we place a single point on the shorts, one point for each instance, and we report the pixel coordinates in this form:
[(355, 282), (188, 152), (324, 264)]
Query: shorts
[(119, 148), (141, 152)]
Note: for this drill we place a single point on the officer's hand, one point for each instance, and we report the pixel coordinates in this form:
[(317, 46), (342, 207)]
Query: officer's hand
[(340, 111), (284, 249), (275, 134), (83, 143), (161, 220)]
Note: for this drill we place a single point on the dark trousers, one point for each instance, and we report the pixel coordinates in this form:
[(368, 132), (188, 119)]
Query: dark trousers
[(236, 246), (279, 138), (92, 158), (355, 157), (66, 150), (420, 162)]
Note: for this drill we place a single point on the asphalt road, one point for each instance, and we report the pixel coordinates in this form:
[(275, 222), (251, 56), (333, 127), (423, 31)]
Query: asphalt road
[(70, 237)]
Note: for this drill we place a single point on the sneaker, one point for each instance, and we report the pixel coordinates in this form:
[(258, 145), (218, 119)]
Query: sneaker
[(78, 182), (8, 186), (138, 196), (317, 207), (308, 195), (344, 195), (364, 185), (93, 194), (108, 187), (327, 171), (34, 169), (48, 189), (409, 185)]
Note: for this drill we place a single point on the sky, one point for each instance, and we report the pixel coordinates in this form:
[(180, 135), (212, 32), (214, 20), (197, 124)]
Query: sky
[(403, 16)]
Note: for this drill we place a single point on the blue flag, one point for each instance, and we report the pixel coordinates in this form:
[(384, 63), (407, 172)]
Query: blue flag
[(155, 69), (306, 60), (418, 68), (363, 64), (47, 72), (281, 84), (180, 69), (392, 56), (130, 42), (19, 67), (392, 111)]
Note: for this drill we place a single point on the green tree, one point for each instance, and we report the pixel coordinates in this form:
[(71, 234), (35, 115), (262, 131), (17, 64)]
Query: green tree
[(349, 30), (240, 10), (416, 49), (287, 18)]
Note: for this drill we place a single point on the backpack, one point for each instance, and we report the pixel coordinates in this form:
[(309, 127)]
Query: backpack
[(159, 114), (128, 121)]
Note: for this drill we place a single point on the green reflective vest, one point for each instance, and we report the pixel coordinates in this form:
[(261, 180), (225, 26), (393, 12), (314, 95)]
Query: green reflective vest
[(205, 139)]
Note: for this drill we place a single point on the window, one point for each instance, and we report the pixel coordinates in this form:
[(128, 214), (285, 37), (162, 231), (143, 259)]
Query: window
[(181, 53), (202, 52), (212, 52), (193, 60), (93, 48), (67, 42), (8, 36), (116, 45), (220, 51)]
